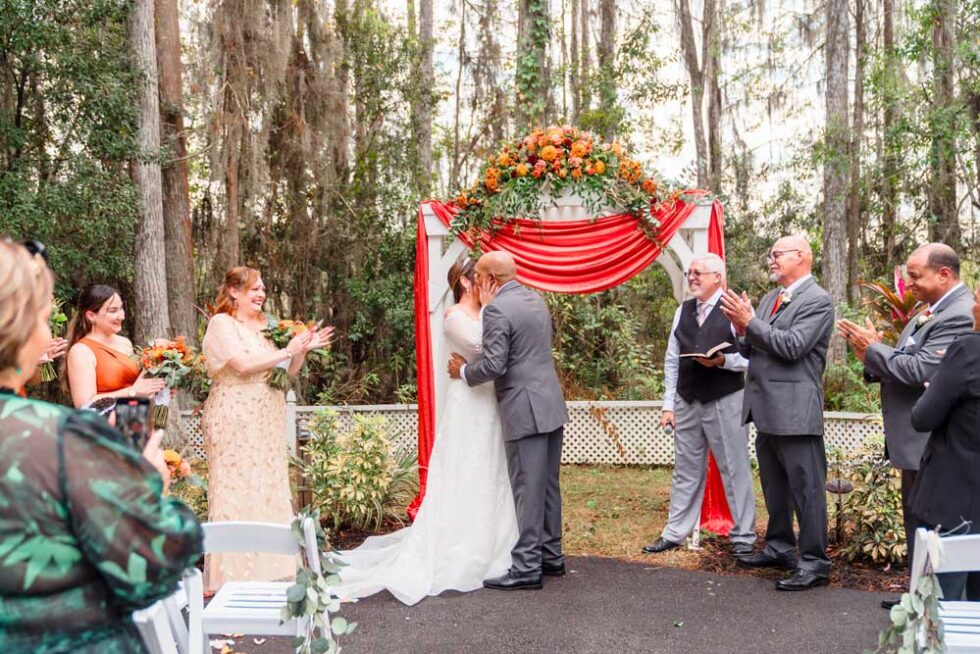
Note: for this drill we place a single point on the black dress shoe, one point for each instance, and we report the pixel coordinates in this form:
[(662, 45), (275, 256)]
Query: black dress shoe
[(801, 580), (511, 581), (661, 545), (888, 604), (742, 549), (553, 569), (763, 560)]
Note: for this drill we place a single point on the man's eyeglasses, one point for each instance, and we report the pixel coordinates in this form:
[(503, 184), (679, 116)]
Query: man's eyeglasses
[(775, 254), (36, 248), (699, 274)]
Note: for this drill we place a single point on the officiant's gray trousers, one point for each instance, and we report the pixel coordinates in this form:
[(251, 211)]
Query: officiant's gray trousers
[(533, 463), (716, 425)]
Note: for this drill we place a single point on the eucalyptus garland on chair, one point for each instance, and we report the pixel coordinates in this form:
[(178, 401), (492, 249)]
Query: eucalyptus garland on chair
[(528, 174), (312, 596)]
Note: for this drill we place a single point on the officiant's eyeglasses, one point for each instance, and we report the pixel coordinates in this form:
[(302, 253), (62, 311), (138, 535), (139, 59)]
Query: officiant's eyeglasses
[(775, 254), (699, 273)]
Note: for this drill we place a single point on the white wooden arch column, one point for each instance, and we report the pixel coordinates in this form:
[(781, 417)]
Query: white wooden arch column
[(691, 239)]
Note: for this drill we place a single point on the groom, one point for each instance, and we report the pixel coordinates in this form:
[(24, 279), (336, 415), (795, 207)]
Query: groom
[(517, 358)]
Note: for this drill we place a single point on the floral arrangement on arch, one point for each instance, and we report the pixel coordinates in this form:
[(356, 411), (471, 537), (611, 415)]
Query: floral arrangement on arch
[(512, 181)]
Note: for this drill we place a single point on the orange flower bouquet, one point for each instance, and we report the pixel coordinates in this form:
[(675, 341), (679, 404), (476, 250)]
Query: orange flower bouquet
[(181, 471), (280, 332), (175, 361)]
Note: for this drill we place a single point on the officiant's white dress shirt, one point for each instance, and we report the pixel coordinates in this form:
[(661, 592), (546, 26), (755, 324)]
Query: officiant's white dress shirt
[(734, 361)]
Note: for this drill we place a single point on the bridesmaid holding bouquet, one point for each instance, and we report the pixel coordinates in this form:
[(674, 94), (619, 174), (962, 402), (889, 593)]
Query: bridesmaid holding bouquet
[(244, 424)]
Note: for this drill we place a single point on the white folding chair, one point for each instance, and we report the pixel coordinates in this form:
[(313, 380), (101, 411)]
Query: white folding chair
[(961, 620), (245, 607), (153, 625)]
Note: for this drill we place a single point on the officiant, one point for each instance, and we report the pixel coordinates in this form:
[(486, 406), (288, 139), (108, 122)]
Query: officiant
[(703, 406)]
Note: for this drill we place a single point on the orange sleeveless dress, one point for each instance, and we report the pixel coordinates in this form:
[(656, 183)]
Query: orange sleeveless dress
[(113, 369)]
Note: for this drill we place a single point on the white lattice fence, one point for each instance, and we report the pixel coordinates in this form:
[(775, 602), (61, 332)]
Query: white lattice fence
[(598, 432)]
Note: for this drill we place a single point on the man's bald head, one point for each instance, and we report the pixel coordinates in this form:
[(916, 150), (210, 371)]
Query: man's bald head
[(938, 255), (498, 264), (932, 270), (790, 259)]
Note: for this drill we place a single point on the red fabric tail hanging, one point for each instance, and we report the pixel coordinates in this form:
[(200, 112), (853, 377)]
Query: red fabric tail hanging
[(581, 256)]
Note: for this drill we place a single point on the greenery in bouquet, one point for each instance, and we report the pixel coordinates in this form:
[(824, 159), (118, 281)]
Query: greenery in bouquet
[(511, 182), (188, 481), (177, 362), (281, 332), (57, 322)]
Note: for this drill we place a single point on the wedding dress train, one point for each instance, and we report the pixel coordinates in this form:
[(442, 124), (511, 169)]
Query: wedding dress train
[(467, 525)]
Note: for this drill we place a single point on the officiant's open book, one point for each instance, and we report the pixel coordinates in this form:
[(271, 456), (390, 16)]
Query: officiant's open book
[(710, 353)]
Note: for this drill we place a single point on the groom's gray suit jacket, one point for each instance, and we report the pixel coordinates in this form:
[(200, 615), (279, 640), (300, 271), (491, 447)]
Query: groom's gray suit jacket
[(517, 358)]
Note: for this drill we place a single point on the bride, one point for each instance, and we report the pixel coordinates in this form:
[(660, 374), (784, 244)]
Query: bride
[(467, 524)]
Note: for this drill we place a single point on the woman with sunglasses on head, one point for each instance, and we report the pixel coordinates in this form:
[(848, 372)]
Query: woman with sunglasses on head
[(100, 361), (87, 534)]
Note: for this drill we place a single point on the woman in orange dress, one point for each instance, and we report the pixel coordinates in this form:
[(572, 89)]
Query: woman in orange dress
[(244, 425), (100, 361)]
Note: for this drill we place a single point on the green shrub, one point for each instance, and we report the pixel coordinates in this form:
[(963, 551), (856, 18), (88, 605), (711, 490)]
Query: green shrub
[(845, 389), (355, 479), (873, 510)]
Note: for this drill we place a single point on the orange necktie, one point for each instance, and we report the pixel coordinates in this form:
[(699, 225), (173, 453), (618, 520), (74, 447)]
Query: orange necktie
[(775, 307)]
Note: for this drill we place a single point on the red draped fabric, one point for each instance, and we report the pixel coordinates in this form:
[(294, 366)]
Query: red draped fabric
[(581, 256)]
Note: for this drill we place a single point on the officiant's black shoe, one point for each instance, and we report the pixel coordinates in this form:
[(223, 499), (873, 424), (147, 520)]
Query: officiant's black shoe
[(660, 545), (888, 604), (801, 580), (742, 549), (553, 569), (511, 581), (763, 560)]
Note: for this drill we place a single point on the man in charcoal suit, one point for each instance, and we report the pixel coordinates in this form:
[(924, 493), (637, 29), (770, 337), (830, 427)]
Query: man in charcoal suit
[(933, 272), (703, 403), (786, 345), (517, 357)]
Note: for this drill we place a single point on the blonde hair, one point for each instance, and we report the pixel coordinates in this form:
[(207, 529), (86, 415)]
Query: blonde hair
[(25, 288), (239, 278)]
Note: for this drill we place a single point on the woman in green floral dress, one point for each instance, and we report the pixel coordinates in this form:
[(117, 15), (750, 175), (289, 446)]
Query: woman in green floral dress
[(87, 534)]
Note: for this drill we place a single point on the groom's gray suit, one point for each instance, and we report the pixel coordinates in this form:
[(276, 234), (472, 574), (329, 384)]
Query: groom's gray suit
[(517, 358)]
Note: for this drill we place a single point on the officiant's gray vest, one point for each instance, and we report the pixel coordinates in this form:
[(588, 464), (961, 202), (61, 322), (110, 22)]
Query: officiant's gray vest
[(694, 381)]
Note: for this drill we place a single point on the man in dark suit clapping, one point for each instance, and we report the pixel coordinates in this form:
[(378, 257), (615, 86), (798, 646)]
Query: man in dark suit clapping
[(786, 345)]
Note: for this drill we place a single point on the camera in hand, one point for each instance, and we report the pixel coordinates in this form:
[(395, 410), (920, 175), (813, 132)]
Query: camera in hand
[(134, 418)]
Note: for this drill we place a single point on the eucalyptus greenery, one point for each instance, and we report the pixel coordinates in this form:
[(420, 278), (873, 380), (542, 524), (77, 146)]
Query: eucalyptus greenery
[(916, 626), (312, 596)]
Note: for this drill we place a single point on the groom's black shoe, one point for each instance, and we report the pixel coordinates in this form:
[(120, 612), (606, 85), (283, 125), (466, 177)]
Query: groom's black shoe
[(553, 569), (512, 581), (763, 560), (660, 545), (801, 580)]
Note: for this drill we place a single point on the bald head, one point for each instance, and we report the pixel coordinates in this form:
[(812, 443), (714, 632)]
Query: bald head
[(790, 259), (938, 255), (932, 270), (499, 265)]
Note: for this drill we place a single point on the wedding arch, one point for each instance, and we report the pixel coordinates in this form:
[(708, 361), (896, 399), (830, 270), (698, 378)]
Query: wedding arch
[(566, 251)]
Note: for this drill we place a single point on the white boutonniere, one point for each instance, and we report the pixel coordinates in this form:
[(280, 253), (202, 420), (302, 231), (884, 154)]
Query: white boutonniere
[(785, 297), (924, 317)]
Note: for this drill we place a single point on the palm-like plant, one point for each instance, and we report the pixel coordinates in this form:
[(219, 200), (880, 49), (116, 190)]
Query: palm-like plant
[(892, 309)]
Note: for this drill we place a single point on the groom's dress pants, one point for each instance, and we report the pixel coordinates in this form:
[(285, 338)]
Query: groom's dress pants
[(716, 425), (533, 463)]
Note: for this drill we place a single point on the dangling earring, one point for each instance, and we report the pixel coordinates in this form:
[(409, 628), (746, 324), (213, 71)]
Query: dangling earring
[(18, 371)]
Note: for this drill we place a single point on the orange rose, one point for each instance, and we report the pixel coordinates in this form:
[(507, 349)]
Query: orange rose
[(503, 160), (578, 149), (577, 173), (549, 153), (590, 169), (563, 173), (649, 186), (520, 170), (600, 167), (617, 149)]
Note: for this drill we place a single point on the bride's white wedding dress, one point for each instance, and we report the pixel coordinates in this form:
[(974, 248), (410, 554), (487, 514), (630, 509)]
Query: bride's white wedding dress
[(466, 526)]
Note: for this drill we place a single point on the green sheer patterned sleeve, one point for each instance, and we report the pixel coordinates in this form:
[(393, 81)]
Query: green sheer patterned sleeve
[(139, 541)]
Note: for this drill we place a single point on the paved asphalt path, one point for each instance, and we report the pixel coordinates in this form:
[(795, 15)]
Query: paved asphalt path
[(606, 605)]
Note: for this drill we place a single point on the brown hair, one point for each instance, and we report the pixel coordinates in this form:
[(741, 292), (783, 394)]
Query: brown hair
[(25, 287), (239, 278), (91, 299), (462, 268)]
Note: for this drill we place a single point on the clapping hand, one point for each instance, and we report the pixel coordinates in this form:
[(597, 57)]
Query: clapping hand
[(738, 309), (859, 337), (319, 338)]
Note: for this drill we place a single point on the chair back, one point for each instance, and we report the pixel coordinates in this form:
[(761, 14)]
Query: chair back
[(960, 554), (264, 537)]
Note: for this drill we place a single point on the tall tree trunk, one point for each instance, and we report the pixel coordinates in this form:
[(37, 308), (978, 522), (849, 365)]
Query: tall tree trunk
[(150, 288), (422, 109), (695, 73), (942, 157), (341, 130), (712, 62), (534, 99), (835, 165), (585, 64), (176, 193), (574, 82), (606, 63), (889, 167), (855, 221)]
